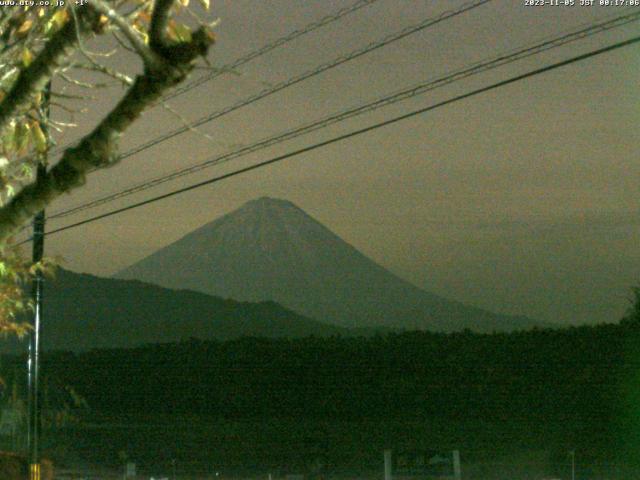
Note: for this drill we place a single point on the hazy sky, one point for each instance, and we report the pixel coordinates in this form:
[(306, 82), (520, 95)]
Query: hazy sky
[(522, 200)]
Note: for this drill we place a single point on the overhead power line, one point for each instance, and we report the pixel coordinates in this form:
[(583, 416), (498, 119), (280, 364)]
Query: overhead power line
[(432, 84), (269, 47), (294, 80), (342, 59), (354, 133), (326, 20)]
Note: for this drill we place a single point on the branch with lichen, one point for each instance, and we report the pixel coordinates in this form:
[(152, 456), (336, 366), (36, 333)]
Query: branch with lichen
[(172, 62)]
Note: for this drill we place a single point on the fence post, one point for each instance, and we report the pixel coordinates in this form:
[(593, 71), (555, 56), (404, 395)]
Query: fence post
[(457, 472), (388, 475)]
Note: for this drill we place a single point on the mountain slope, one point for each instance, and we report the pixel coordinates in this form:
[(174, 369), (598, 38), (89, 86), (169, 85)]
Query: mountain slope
[(269, 249), (82, 312)]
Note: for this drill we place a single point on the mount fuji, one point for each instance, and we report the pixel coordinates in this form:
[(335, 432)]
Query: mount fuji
[(271, 250)]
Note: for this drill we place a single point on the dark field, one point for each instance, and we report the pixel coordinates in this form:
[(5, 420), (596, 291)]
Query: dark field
[(514, 405), (200, 447)]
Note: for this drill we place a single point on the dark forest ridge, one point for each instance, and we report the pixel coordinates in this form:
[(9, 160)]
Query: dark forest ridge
[(270, 249), (85, 312)]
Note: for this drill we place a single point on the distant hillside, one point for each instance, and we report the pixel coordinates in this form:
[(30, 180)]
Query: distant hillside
[(270, 249), (84, 312)]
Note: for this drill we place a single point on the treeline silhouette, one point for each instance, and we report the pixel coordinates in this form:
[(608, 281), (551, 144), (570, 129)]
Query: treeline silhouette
[(540, 373), (579, 386)]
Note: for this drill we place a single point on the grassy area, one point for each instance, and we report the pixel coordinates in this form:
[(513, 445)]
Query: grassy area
[(284, 445)]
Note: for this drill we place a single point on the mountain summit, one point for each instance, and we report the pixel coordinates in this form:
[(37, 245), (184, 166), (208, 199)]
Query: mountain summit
[(269, 249)]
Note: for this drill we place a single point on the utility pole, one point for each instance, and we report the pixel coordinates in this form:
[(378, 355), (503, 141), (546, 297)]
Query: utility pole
[(33, 365)]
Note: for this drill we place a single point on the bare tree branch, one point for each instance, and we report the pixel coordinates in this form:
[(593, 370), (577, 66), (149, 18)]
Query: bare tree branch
[(85, 53), (119, 76), (186, 123), (127, 30), (99, 148), (122, 43), (159, 21), (34, 77), (81, 84), (69, 96)]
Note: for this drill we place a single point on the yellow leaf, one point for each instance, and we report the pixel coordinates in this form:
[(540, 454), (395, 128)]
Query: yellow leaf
[(144, 16), (27, 57), (205, 4), (25, 27), (60, 17), (141, 31), (185, 3)]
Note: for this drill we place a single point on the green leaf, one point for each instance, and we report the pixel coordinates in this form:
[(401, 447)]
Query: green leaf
[(9, 138), (23, 137), (8, 78), (39, 138), (183, 33), (26, 171)]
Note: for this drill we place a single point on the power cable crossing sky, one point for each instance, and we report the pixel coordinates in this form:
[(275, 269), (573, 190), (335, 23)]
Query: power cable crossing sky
[(354, 133), (404, 94)]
